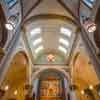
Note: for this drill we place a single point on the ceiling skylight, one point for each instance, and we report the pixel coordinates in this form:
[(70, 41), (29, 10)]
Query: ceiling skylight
[(39, 49), (65, 31), (37, 41), (62, 49), (64, 42), (35, 31)]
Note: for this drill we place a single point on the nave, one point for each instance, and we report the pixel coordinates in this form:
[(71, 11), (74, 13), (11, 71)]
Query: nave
[(49, 50)]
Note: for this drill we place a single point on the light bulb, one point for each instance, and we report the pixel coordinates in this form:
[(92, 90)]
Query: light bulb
[(6, 87), (15, 92), (82, 92)]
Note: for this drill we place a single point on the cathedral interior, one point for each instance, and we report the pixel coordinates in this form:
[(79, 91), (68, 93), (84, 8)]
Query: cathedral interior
[(49, 50)]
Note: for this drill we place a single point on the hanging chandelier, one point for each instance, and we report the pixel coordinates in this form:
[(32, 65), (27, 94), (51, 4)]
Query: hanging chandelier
[(89, 25), (11, 23)]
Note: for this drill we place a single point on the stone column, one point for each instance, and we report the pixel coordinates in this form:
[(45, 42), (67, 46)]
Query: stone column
[(66, 88), (36, 89), (73, 95)]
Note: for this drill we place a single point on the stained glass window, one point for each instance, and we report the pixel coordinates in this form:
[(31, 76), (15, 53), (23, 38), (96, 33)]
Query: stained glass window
[(11, 3), (89, 3)]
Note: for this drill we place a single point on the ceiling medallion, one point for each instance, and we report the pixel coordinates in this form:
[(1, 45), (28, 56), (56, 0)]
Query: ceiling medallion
[(50, 58)]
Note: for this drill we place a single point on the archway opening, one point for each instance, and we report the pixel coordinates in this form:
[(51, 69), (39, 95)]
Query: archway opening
[(16, 77), (51, 84)]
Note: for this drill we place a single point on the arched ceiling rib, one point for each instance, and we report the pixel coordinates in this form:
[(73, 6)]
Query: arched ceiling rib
[(28, 6), (72, 6), (16, 76)]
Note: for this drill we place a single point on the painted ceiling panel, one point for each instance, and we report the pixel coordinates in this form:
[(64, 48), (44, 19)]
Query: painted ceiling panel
[(72, 5), (49, 7), (26, 6), (51, 36)]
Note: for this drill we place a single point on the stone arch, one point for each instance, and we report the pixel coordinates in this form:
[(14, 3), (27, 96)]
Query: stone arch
[(49, 16), (18, 59), (64, 75), (24, 54), (16, 74), (58, 70)]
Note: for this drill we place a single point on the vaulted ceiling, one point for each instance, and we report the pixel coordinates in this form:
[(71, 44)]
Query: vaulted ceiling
[(50, 28), (47, 25)]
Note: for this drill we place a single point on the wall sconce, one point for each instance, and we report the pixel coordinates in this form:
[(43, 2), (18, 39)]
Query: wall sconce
[(11, 23), (6, 88), (91, 87), (15, 92), (89, 25), (82, 92)]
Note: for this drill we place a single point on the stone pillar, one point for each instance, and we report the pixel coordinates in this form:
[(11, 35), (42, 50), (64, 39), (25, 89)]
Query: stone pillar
[(66, 88), (36, 89), (73, 95)]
